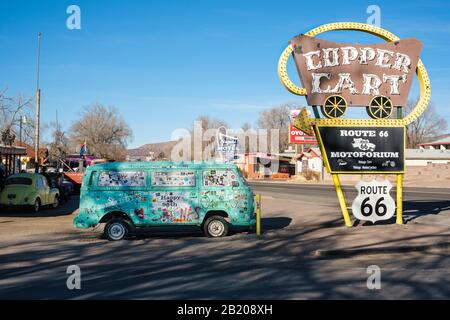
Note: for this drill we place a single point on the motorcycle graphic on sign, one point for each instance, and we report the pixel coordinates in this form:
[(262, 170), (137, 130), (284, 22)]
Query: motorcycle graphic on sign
[(374, 202)]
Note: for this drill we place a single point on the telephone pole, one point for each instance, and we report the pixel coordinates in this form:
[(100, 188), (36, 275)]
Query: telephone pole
[(38, 109)]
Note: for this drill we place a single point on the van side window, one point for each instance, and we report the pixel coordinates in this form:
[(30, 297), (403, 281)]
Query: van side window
[(173, 178), (91, 178), (221, 178), (121, 179)]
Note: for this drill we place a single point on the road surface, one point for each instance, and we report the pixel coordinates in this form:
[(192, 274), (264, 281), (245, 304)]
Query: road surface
[(328, 193), (298, 220)]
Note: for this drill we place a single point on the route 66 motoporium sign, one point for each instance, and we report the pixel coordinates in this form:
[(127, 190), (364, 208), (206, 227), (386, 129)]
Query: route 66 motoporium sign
[(374, 202), (363, 150)]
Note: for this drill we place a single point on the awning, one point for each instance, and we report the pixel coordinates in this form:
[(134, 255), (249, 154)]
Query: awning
[(15, 151)]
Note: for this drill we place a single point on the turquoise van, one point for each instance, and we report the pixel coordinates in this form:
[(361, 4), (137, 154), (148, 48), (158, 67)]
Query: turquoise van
[(128, 196)]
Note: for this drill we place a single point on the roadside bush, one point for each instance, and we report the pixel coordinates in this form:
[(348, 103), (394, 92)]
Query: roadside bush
[(311, 175)]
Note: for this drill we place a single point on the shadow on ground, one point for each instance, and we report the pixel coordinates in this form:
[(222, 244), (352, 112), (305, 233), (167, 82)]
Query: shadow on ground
[(419, 208), (267, 224), (412, 210), (64, 209), (236, 267)]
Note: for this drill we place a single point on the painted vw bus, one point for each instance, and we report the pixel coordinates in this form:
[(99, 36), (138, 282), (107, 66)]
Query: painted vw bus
[(128, 196)]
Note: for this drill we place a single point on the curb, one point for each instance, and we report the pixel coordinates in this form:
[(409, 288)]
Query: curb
[(379, 250)]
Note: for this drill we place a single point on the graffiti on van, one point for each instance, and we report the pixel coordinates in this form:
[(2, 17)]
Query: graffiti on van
[(223, 178), (125, 198), (226, 200), (173, 207), (173, 178), (121, 179)]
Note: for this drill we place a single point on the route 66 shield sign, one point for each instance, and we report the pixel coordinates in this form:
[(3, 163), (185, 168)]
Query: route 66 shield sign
[(374, 202)]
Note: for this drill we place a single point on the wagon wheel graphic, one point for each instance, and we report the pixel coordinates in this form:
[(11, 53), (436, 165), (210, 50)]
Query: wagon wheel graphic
[(334, 107), (380, 107)]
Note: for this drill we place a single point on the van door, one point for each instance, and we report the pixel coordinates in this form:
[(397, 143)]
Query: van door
[(174, 197)]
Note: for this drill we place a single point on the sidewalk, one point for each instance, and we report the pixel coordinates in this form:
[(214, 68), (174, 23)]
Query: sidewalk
[(319, 227)]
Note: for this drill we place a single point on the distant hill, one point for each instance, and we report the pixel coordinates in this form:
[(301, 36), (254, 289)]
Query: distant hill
[(152, 150)]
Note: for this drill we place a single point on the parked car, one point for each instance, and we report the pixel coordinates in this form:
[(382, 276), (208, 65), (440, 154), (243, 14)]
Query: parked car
[(129, 196), (28, 190), (58, 180)]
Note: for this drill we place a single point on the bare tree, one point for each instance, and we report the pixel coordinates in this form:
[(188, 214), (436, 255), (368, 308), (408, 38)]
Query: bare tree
[(246, 126), (211, 123), (105, 131), (59, 146), (430, 124), (208, 136), (277, 118), (12, 109)]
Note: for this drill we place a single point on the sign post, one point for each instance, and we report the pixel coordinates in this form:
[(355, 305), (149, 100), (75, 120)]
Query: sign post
[(377, 77)]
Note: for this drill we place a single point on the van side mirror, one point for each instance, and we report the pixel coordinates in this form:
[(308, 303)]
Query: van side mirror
[(235, 184)]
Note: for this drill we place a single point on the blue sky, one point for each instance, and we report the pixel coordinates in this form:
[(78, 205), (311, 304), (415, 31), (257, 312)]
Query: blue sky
[(162, 63)]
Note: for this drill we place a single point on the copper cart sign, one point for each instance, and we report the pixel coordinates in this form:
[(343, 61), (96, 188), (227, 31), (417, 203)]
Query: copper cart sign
[(336, 76), (356, 75)]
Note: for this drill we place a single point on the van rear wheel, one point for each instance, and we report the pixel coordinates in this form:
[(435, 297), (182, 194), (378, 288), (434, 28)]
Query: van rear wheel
[(116, 229), (215, 227)]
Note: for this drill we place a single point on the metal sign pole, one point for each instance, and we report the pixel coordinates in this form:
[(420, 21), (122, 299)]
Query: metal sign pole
[(336, 181), (399, 183), (399, 199)]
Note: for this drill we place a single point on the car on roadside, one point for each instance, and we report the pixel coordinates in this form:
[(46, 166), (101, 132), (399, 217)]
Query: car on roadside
[(132, 196), (28, 190), (57, 180)]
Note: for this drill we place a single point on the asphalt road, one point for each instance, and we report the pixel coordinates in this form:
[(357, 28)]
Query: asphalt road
[(328, 192), (36, 250)]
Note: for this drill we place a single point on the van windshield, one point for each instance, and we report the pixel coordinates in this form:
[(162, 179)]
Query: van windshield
[(19, 181)]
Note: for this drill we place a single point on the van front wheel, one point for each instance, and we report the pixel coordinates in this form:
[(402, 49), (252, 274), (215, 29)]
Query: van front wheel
[(215, 227), (116, 229)]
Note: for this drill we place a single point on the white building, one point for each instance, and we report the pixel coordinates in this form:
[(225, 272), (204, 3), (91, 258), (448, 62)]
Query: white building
[(309, 160), (423, 157), (443, 143)]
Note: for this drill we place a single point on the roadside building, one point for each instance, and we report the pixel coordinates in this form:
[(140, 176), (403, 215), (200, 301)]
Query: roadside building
[(424, 157), (311, 159), (442, 143), (9, 156), (27, 160), (140, 154), (259, 165)]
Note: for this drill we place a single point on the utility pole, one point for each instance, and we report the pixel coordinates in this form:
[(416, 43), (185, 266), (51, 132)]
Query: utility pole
[(38, 109), (23, 120)]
